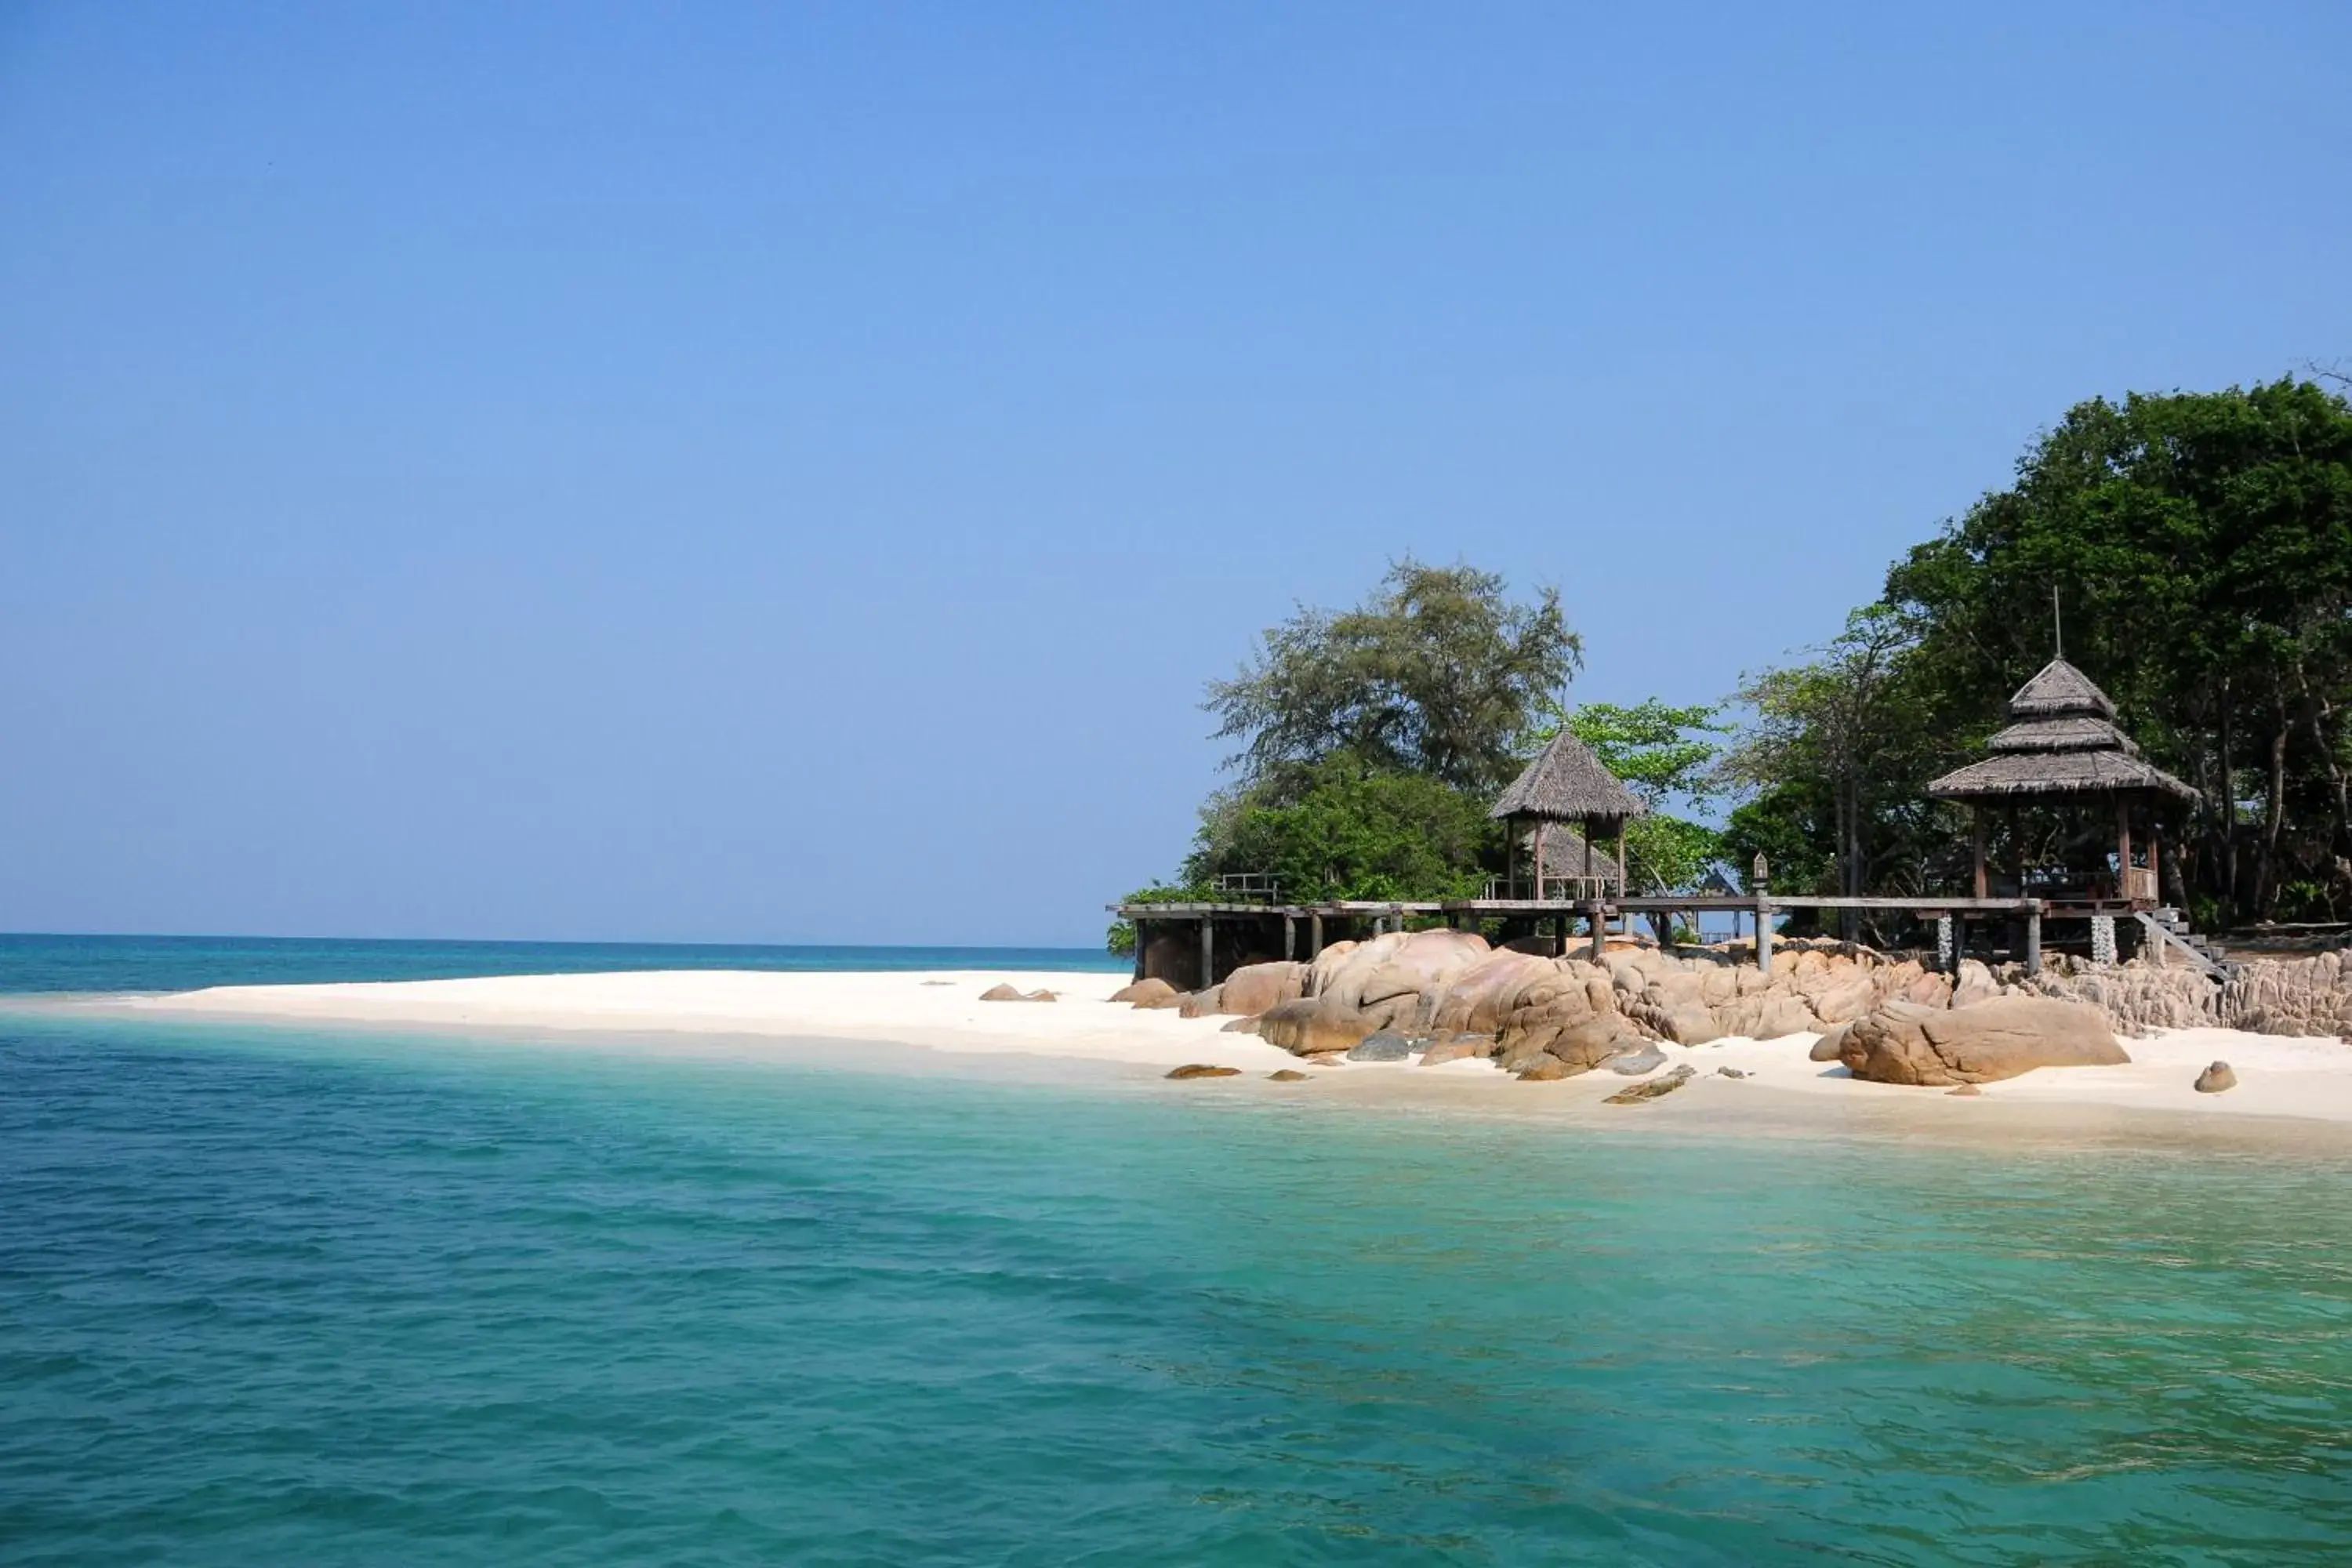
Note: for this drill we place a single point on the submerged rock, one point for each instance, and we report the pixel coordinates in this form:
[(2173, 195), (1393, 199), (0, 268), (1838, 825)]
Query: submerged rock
[(2216, 1079), (1634, 1093), (1287, 1075), (1965, 1089), (1729, 1072), (1204, 1069), (1547, 1068)]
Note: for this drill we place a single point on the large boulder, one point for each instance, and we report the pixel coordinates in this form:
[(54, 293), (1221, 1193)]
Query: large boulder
[(1482, 995), (1604, 1037), (1199, 1003), (1255, 987), (1396, 979), (1905, 1043), (1150, 994), (1456, 1048), (1385, 1047), (1310, 1028), (1976, 984), (1334, 957), (1547, 1007)]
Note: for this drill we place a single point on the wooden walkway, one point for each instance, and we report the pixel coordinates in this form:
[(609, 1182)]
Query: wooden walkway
[(1595, 914)]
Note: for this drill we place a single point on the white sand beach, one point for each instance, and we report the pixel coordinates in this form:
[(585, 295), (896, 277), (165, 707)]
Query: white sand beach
[(783, 1014)]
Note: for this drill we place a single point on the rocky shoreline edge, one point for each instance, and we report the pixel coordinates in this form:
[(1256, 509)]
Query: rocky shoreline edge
[(1441, 995)]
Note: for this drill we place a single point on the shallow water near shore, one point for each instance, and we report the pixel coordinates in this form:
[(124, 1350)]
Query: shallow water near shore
[(288, 1295)]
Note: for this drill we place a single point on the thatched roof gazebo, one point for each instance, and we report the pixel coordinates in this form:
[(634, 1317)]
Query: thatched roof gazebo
[(1568, 783), (2062, 747)]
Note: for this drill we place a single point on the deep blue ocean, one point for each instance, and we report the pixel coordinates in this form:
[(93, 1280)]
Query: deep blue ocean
[(289, 1296)]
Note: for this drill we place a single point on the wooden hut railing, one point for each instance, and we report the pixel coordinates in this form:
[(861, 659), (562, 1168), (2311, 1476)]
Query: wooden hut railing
[(1555, 889)]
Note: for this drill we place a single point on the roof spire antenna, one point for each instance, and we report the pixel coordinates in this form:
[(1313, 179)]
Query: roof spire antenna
[(2057, 625)]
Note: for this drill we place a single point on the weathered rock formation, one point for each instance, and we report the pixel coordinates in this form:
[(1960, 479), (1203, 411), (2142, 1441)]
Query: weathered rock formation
[(2216, 1079), (1204, 1069), (1007, 994), (1200, 1003), (1446, 989), (2298, 996), (1904, 1042), (1251, 990)]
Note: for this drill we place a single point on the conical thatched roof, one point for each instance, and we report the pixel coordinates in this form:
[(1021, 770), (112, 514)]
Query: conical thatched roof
[(1566, 783), (2062, 741), (2060, 688)]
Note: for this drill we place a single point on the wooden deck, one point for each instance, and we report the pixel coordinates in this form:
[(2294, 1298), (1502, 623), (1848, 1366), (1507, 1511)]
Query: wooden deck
[(1245, 919)]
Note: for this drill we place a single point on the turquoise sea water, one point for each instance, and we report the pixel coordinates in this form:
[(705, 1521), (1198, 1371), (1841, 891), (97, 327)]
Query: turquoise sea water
[(287, 1296), (42, 963)]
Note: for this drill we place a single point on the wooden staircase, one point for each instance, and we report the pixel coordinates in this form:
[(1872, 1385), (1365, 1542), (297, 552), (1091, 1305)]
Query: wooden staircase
[(2169, 925)]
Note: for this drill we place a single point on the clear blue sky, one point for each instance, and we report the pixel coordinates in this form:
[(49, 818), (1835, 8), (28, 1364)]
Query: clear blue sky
[(773, 473)]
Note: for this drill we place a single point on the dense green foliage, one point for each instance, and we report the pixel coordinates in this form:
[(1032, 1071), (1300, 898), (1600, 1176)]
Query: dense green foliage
[(1666, 756), (2200, 543), (1374, 740), (1437, 674), (1356, 833), (2201, 547)]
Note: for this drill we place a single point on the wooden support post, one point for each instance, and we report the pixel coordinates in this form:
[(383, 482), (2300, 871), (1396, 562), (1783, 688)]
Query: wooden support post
[(1290, 938), (1625, 870), (1600, 934), (1314, 938), (2033, 941), (1539, 857), (1142, 944), (2123, 844), (1977, 814), (1764, 934), (1960, 940), (1208, 954)]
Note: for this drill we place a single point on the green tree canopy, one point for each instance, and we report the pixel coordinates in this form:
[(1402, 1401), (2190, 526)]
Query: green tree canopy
[(1438, 674), (1352, 833), (2201, 546), (1667, 755)]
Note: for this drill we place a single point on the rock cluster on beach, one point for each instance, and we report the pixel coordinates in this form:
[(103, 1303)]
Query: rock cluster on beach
[(2296, 996), (1444, 995)]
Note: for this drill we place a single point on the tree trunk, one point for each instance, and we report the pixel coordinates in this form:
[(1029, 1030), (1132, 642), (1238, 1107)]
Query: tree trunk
[(2266, 880), (2229, 809)]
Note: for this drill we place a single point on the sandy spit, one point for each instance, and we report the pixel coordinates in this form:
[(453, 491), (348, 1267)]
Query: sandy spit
[(783, 1014)]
